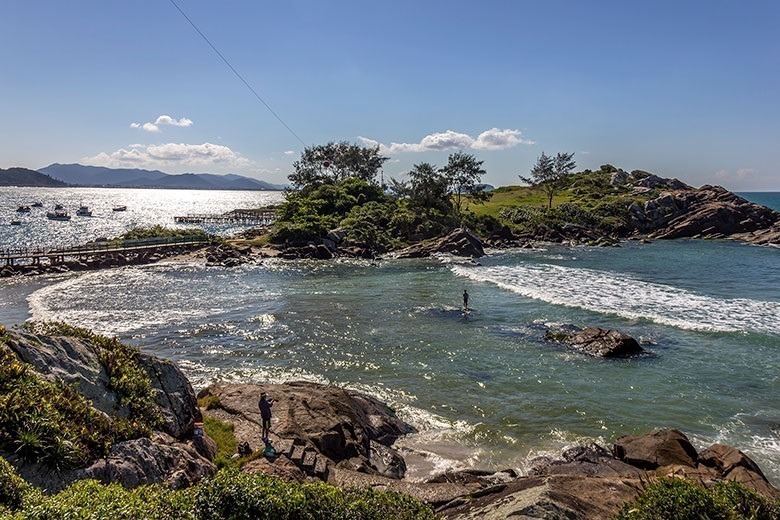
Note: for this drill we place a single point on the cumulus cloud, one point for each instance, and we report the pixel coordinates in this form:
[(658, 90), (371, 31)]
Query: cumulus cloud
[(163, 120), (169, 154), (492, 139)]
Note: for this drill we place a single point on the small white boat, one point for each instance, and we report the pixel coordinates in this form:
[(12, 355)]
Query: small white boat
[(83, 211), (23, 209), (119, 208), (58, 214)]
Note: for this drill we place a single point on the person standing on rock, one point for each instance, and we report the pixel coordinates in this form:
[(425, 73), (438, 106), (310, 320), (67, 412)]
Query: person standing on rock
[(265, 405)]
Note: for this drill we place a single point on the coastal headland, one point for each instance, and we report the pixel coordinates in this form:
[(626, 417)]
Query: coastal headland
[(76, 406)]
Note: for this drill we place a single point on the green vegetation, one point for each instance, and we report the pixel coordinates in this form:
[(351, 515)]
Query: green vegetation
[(549, 173), (222, 433), (50, 422), (141, 233), (228, 495), (337, 188), (684, 500)]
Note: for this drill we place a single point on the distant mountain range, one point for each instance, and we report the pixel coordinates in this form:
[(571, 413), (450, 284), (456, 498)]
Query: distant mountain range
[(25, 177), (80, 175)]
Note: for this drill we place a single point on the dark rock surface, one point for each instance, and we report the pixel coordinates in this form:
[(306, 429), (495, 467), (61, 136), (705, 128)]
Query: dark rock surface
[(599, 342), (459, 242)]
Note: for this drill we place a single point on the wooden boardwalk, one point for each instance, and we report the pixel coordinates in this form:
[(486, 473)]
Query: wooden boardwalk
[(264, 217), (59, 255)]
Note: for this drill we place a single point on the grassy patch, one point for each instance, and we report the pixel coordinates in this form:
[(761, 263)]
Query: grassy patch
[(141, 233), (512, 196), (209, 402), (222, 433)]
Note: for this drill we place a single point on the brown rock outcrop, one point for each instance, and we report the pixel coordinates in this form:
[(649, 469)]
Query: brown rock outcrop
[(659, 448), (459, 242), (316, 426)]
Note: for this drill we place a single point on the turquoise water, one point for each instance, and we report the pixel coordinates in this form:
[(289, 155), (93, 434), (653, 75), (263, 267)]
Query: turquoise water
[(485, 389)]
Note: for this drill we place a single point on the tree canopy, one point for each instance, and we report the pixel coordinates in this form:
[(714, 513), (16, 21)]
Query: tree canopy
[(463, 172), (549, 172), (333, 162)]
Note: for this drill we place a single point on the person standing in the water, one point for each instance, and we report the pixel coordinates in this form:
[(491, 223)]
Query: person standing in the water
[(465, 300)]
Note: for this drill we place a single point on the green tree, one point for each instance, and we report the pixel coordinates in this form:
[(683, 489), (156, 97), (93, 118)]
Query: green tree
[(428, 188), (463, 172), (549, 172), (333, 162)]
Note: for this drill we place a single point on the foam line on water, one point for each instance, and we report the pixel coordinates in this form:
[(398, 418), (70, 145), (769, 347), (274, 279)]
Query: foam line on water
[(619, 294)]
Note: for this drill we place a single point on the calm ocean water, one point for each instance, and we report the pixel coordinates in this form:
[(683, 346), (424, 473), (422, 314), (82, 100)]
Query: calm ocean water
[(485, 390)]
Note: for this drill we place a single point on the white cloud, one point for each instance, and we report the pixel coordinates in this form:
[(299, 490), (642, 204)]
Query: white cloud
[(493, 139), (169, 154), (163, 120), (740, 174), (289, 152)]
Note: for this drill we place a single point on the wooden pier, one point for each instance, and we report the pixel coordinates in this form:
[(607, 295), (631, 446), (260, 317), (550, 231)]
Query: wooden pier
[(264, 217), (108, 249)]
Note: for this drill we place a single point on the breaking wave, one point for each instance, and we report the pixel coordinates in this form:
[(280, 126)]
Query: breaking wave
[(619, 294)]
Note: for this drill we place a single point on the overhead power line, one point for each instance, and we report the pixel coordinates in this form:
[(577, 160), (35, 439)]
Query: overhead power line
[(239, 76)]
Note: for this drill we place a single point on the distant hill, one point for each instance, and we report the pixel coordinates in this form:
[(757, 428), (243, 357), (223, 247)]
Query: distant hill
[(80, 175), (25, 177)]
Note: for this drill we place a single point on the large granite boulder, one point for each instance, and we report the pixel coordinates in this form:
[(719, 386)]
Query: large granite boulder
[(599, 342), (732, 464), (314, 424), (459, 242), (659, 448), (76, 361)]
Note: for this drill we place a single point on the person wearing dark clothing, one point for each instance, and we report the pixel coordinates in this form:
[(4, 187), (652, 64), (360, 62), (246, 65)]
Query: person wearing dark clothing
[(465, 300), (265, 405)]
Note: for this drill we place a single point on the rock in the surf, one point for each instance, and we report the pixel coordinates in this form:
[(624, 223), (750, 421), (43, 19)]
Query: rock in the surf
[(599, 342), (459, 242)]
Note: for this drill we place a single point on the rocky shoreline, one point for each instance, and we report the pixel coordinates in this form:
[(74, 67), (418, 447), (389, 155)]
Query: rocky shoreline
[(345, 438)]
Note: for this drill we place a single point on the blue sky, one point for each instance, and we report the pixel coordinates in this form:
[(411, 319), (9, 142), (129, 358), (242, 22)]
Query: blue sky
[(685, 89)]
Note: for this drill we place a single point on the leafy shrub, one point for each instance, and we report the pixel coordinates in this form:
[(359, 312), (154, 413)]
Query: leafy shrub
[(684, 500), (141, 233), (13, 488)]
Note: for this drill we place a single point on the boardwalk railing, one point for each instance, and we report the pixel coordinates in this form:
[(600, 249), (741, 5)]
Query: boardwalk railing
[(103, 247)]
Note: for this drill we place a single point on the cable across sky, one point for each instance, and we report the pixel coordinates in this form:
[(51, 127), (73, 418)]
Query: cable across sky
[(239, 76)]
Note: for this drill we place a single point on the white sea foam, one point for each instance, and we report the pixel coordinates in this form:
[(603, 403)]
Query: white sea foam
[(629, 297)]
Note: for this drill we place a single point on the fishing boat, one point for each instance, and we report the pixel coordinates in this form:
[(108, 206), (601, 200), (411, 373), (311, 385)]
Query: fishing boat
[(83, 211), (119, 208), (16, 222), (58, 214), (58, 207), (23, 209), (37, 204)]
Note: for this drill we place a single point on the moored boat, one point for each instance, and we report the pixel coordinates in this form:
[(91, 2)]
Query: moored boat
[(23, 209), (58, 206), (83, 211), (16, 222), (58, 214), (37, 204), (119, 208)]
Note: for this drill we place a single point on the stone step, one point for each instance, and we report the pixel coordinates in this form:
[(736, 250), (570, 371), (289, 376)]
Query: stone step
[(321, 468), (284, 447), (297, 454), (309, 459)]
